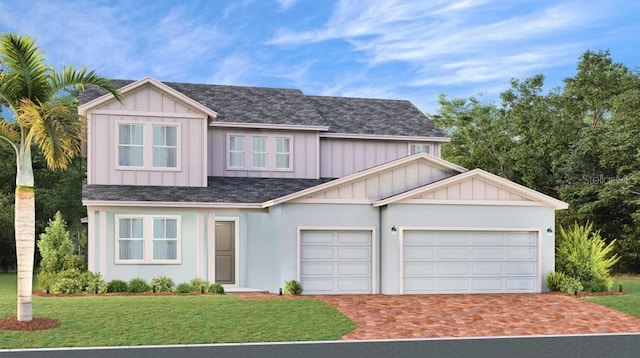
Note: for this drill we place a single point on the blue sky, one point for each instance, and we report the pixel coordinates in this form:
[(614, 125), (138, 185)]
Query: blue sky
[(377, 48)]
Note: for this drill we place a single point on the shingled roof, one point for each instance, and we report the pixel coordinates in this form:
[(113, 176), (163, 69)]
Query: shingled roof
[(218, 190), (342, 115)]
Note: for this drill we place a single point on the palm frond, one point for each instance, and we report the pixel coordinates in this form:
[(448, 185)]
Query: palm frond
[(25, 73), (55, 127), (10, 133), (78, 79)]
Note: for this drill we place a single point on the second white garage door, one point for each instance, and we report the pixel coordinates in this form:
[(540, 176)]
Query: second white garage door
[(336, 261), (469, 262)]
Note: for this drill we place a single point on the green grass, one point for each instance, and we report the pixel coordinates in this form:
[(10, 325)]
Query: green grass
[(629, 303), (151, 320)]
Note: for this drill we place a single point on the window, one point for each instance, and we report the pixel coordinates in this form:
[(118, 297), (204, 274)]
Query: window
[(165, 146), (165, 239), (263, 152), (130, 145), (236, 151), (259, 152), (283, 153), (147, 239), (418, 148), (131, 239)]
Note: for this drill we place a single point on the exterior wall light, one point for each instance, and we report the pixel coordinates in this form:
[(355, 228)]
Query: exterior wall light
[(394, 230)]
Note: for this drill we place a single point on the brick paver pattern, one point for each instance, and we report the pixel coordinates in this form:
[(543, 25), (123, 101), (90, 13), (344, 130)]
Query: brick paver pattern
[(424, 316)]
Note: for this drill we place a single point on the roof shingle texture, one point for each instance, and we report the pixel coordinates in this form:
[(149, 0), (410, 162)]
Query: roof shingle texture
[(218, 190), (342, 115)]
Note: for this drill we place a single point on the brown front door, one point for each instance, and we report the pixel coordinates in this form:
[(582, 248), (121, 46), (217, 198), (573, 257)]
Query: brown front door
[(225, 252)]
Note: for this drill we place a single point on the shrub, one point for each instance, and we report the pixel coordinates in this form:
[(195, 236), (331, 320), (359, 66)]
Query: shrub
[(67, 285), (199, 285), (55, 246), (46, 280), (559, 281), (73, 262), (293, 287), (162, 284), (598, 285), (117, 286), (138, 285), (94, 283), (584, 255), (185, 287), (216, 288)]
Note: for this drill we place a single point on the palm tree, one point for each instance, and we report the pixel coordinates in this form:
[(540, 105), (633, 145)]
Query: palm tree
[(43, 114)]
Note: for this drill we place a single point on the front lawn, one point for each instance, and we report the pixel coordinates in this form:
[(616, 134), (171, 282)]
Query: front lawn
[(151, 320), (629, 303)]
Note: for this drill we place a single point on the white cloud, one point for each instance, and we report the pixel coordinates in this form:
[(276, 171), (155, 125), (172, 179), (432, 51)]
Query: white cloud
[(286, 4)]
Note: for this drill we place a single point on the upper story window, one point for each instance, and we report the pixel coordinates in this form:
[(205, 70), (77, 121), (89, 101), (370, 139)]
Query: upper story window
[(162, 152), (236, 151), (165, 146), (259, 152), (131, 145), (419, 148), (147, 239), (283, 153)]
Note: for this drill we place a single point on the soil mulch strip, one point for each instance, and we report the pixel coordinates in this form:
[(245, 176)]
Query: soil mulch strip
[(36, 324)]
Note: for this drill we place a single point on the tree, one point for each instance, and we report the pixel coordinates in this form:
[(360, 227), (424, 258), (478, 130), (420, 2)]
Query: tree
[(45, 115), (55, 246)]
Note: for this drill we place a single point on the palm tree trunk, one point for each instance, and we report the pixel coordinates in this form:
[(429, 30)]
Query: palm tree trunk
[(25, 231)]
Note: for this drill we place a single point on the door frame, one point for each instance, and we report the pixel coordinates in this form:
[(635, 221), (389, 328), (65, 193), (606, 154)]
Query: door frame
[(374, 248), (212, 250), (538, 232)]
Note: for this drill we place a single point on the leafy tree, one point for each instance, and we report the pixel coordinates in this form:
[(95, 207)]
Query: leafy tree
[(43, 115), (55, 246)]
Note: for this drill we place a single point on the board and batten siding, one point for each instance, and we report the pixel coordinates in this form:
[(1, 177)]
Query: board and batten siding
[(304, 153), (340, 156), (146, 105), (472, 189)]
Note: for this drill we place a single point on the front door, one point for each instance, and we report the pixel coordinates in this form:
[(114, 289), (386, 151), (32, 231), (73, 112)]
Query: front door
[(225, 252)]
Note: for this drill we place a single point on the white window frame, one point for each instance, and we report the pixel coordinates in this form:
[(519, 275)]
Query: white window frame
[(229, 151), (147, 234), (120, 145), (254, 152), (147, 149), (289, 153), (176, 147), (428, 147)]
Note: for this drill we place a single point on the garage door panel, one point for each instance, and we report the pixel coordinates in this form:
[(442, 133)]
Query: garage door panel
[(318, 269), (487, 268), (419, 252), (316, 252), (521, 268), (354, 253), (522, 253), (452, 253), (470, 262), (452, 268), (336, 261), (419, 269), (354, 269), (360, 238)]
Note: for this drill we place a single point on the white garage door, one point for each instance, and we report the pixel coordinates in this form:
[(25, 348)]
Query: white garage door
[(469, 262), (335, 262)]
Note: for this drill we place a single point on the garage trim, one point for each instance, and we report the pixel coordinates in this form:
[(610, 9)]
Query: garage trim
[(401, 230), (374, 248)]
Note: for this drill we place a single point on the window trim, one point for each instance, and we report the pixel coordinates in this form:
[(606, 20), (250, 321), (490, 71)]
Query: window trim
[(244, 151), (429, 147), (147, 240), (119, 145), (177, 146), (147, 148), (290, 153), (265, 153)]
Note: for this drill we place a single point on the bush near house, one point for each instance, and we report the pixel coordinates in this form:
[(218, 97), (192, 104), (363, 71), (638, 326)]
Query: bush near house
[(117, 286), (583, 255), (138, 285), (199, 285), (185, 287), (293, 287), (162, 284), (216, 288)]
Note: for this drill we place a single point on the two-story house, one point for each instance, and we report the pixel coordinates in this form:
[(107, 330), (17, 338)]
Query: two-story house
[(250, 187)]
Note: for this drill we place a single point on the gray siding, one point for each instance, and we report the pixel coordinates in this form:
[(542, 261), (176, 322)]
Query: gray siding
[(304, 153)]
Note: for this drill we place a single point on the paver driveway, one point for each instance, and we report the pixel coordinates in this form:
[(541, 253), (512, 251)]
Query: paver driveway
[(412, 316)]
